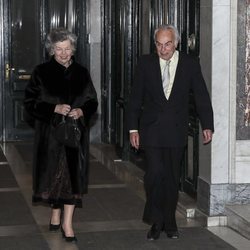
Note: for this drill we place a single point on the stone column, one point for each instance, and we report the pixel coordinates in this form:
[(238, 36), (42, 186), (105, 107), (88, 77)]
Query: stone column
[(218, 184)]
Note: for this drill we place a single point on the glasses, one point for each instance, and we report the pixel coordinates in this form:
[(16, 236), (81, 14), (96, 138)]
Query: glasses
[(163, 46)]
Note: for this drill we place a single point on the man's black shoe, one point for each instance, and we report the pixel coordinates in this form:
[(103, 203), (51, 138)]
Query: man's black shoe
[(154, 232), (172, 234)]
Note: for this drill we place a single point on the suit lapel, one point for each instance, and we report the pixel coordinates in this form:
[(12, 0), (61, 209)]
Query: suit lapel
[(178, 70)]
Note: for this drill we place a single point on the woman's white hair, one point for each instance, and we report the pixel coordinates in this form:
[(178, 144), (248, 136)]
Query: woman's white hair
[(59, 35)]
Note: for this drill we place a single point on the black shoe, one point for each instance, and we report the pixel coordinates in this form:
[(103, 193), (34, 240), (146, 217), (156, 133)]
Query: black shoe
[(68, 238), (154, 232), (172, 234), (53, 227)]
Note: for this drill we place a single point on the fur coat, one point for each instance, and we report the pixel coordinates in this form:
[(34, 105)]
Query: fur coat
[(52, 84)]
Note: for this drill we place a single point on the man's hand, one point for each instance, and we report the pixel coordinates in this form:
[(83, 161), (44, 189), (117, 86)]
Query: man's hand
[(207, 136), (134, 139)]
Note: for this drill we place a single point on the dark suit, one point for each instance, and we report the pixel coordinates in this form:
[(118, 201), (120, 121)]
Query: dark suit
[(163, 128)]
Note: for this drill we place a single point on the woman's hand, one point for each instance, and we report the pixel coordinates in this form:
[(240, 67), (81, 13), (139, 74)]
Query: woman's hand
[(75, 113), (62, 109)]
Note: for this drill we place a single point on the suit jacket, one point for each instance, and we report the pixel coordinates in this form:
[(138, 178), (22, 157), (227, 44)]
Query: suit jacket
[(162, 122)]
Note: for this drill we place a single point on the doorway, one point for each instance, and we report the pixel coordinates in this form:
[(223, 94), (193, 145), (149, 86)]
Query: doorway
[(128, 28), (22, 48)]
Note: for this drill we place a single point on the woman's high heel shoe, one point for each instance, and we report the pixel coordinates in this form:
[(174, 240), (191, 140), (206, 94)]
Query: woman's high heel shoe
[(68, 238), (53, 227)]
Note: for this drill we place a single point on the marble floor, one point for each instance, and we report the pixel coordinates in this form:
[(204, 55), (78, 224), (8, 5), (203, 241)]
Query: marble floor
[(111, 215)]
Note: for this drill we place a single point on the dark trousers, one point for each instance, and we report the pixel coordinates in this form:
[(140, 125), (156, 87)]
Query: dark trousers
[(161, 182)]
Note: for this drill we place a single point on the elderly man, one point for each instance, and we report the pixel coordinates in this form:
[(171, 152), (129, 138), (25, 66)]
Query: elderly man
[(158, 122)]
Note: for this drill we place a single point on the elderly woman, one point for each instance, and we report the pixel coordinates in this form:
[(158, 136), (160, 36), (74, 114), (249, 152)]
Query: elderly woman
[(60, 87)]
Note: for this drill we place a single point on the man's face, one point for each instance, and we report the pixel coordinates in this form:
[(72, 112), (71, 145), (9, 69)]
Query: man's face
[(63, 52), (165, 44)]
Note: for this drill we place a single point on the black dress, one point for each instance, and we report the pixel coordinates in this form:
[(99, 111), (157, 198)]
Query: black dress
[(60, 173)]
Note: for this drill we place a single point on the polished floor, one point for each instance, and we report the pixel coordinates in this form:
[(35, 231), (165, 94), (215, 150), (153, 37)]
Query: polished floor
[(111, 215)]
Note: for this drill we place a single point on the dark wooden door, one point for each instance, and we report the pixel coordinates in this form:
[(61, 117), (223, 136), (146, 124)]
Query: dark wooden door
[(22, 51), (119, 53), (26, 23), (190, 44)]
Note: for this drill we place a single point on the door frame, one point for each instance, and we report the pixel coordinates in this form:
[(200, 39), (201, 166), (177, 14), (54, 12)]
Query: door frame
[(4, 52), (118, 55), (2, 67)]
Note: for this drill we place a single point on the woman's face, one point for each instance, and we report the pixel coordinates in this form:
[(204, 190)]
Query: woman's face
[(63, 52)]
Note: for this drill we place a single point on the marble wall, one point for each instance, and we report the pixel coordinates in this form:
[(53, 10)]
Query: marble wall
[(242, 152), (247, 70), (215, 61), (212, 198), (248, 58), (228, 181), (243, 76)]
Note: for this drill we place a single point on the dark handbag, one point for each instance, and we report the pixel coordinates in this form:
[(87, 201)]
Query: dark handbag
[(67, 132)]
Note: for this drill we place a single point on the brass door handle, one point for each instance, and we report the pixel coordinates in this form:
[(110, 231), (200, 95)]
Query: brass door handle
[(7, 71)]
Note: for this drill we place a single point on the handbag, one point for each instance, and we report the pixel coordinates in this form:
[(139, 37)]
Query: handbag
[(67, 132)]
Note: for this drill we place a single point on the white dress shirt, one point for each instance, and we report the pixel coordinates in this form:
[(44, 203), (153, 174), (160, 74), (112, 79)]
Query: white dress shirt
[(172, 69)]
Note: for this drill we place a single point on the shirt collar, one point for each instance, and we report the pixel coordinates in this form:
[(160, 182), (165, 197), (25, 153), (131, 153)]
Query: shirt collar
[(172, 59)]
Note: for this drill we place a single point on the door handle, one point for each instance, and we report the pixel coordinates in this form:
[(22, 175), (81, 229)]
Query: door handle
[(7, 71), (24, 77), (192, 42)]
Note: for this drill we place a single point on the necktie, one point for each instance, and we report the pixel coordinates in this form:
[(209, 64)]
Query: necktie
[(166, 78)]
